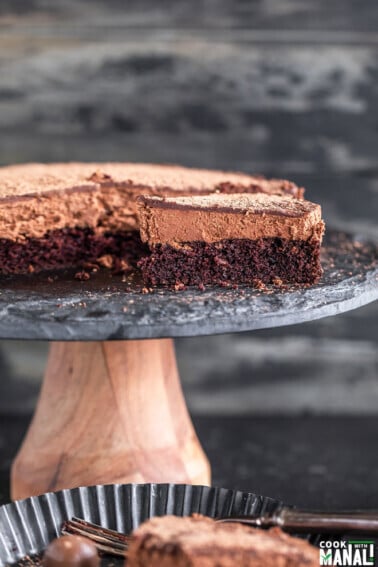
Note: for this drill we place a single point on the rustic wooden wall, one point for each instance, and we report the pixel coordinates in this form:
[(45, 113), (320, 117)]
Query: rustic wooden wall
[(285, 87)]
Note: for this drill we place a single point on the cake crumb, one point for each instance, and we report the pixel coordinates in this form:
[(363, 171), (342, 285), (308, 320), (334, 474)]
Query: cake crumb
[(82, 276), (121, 266), (91, 266), (99, 176), (258, 284), (106, 261)]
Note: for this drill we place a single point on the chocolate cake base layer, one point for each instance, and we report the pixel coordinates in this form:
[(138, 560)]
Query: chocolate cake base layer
[(71, 247), (228, 262)]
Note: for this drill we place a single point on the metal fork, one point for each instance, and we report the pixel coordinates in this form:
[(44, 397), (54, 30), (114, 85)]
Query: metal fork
[(289, 519), (296, 521), (106, 541)]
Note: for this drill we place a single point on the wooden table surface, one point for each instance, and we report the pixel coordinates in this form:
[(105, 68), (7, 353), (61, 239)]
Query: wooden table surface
[(313, 462)]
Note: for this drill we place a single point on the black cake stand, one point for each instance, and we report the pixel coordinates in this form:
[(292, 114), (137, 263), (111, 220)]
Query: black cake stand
[(112, 410)]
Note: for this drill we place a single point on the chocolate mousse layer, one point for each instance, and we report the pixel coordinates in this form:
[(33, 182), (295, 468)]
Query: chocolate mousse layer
[(36, 198), (211, 218), (230, 239)]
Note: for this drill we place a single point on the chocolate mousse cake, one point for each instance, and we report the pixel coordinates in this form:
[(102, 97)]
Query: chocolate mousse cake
[(170, 541), (62, 215), (230, 239)]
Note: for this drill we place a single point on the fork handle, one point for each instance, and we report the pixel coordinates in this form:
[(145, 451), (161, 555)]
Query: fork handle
[(294, 520), (297, 521)]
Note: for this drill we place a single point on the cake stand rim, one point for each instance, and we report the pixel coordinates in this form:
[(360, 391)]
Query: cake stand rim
[(324, 301)]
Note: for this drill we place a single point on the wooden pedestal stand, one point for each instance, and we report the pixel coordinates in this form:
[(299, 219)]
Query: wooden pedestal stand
[(109, 412), (114, 411)]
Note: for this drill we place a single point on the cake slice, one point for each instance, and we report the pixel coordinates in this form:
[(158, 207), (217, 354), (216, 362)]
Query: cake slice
[(170, 541), (61, 215), (230, 239)]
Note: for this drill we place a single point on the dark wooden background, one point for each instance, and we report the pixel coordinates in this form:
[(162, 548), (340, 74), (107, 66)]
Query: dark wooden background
[(286, 88)]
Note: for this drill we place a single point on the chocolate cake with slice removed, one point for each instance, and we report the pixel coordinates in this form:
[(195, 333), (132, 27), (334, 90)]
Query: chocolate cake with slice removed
[(61, 215), (230, 239), (170, 541)]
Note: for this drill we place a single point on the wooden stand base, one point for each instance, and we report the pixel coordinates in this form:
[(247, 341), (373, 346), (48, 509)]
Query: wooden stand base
[(109, 412)]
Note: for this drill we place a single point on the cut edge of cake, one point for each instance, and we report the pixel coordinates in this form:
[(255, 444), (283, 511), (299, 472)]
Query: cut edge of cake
[(230, 239)]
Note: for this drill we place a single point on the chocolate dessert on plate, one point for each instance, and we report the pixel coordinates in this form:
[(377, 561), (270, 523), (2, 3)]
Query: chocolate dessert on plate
[(230, 239), (200, 542), (63, 215)]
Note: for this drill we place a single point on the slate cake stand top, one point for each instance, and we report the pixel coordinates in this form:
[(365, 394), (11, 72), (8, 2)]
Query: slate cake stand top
[(58, 307)]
